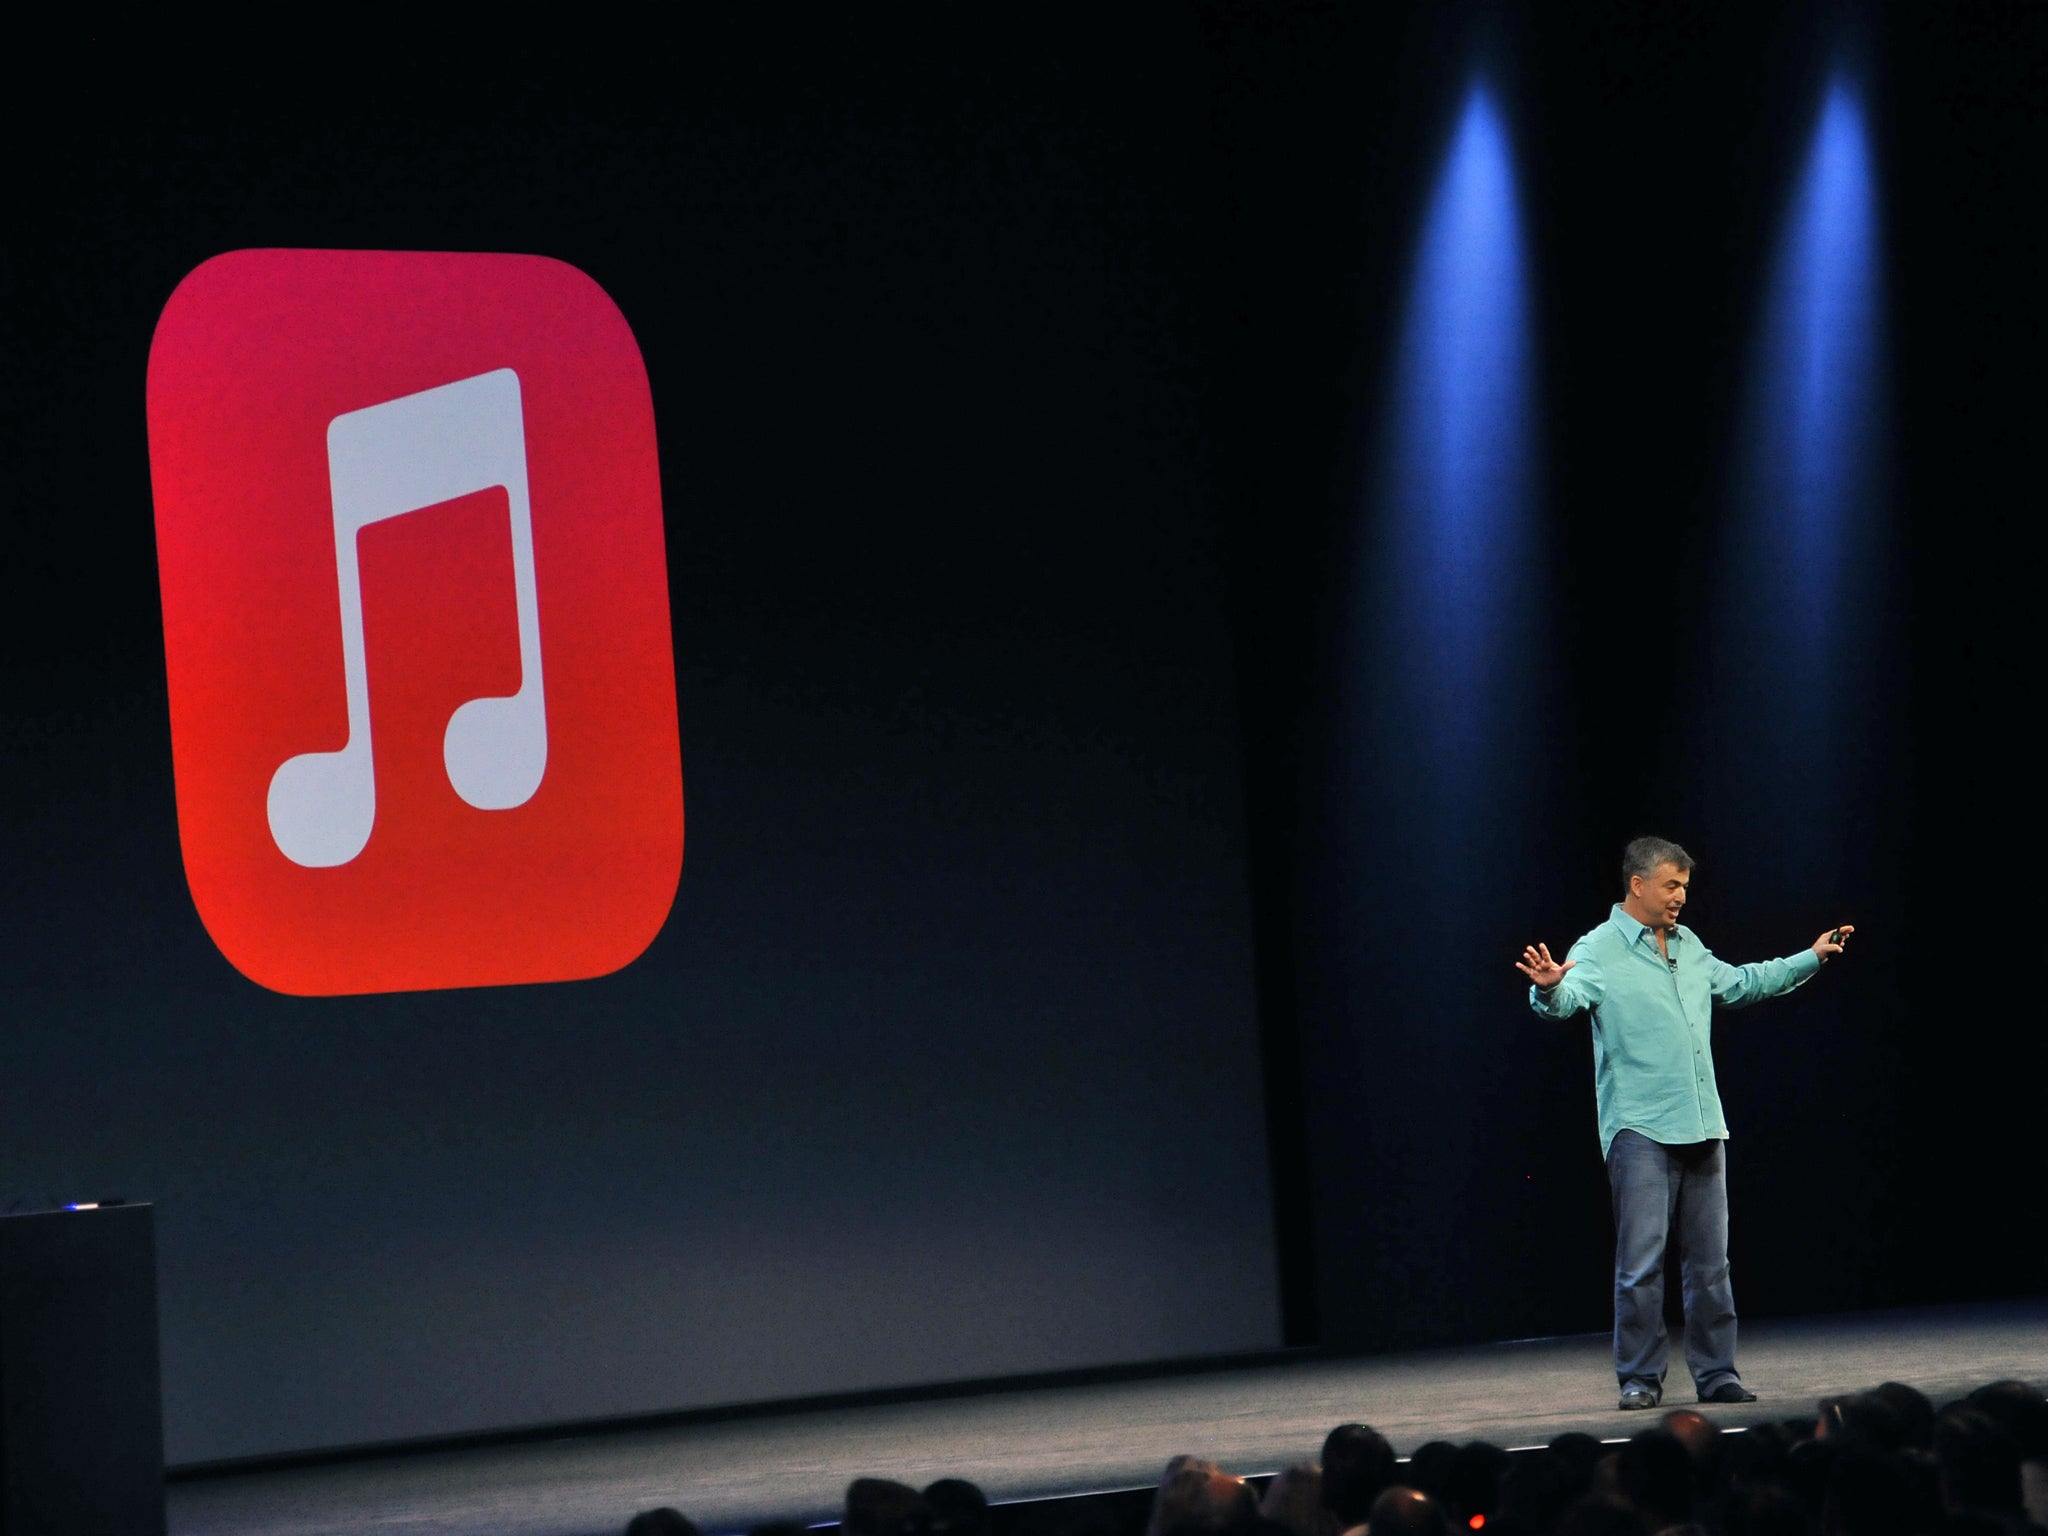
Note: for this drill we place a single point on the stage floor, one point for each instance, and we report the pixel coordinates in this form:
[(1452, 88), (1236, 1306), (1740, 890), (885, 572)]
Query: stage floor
[(1052, 1441)]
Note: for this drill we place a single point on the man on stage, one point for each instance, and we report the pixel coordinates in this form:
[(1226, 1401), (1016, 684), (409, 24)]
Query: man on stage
[(1651, 985)]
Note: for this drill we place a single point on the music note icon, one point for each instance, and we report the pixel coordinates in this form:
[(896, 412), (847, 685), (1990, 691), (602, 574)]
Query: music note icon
[(384, 461)]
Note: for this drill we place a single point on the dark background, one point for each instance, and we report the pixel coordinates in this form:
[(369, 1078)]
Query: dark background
[(1016, 387), (1446, 1183)]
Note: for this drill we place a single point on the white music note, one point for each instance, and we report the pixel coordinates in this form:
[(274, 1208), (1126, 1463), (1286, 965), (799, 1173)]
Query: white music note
[(384, 461)]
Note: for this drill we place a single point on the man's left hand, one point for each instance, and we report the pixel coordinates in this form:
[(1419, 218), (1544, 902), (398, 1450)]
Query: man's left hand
[(1833, 942)]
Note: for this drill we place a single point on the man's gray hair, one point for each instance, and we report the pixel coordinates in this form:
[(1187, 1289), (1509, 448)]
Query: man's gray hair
[(1642, 857)]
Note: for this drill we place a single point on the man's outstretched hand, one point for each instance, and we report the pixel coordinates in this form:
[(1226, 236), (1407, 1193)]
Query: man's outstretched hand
[(1833, 942), (1537, 965)]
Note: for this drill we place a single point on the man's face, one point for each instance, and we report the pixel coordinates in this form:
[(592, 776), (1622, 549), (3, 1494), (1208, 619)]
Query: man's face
[(1659, 896)]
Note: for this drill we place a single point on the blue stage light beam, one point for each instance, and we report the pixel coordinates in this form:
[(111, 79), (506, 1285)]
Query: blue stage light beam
[(1803, 584), (1816, 432), (1429, 815), (1455, 475), (1433, 752)]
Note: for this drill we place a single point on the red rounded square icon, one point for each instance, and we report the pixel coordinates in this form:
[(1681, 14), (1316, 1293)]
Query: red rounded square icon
[(423, 712)]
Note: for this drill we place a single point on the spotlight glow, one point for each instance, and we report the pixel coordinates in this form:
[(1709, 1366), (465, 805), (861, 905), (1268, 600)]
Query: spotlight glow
[(1456, 495), (1815, 432), (1802, 586)]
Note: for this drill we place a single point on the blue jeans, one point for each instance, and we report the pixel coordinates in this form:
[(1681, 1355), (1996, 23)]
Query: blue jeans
[(1658, 1191)]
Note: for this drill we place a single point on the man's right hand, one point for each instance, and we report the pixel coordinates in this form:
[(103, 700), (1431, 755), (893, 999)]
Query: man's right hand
[(1537, 965)]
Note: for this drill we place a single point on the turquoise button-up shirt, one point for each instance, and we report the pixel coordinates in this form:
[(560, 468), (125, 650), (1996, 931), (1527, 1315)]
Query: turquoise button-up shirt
[(1653, 1057)]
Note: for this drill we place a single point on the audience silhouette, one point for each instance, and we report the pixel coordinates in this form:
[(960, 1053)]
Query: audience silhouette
[(1883, 1462)]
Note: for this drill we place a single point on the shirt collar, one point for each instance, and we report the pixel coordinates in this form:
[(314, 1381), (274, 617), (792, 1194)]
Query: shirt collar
[(1631, 931)]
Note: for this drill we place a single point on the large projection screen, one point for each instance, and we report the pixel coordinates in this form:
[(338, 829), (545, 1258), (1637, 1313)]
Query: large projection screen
[(943, 1063)]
